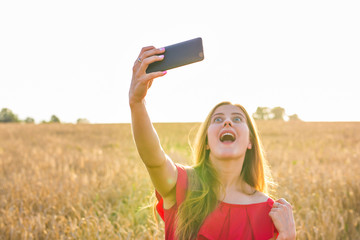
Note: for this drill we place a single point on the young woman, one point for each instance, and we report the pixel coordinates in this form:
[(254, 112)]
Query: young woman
[(223, 195)]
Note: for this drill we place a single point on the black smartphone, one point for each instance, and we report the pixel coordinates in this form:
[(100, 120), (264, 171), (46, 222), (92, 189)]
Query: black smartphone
[(178, 55)]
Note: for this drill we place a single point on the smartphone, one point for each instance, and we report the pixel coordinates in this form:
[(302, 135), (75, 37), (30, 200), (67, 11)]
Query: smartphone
[(178, 55)]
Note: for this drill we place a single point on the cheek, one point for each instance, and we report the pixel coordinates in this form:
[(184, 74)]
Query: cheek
[(244, 133), (211, 135)]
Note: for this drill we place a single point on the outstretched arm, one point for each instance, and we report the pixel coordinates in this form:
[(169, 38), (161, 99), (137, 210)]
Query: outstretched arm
[(162, 170)]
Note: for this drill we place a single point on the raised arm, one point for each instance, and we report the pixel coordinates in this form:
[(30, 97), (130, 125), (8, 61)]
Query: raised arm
[(162, 170)]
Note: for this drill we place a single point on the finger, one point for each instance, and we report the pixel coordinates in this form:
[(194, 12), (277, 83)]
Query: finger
[(148, 80), (150, 83), (147, 54), (272, 214), (145, 49), (283, 201), (154, 75), (145, 63), (143, 55), (151, 52), (276, 205), (137, 62)]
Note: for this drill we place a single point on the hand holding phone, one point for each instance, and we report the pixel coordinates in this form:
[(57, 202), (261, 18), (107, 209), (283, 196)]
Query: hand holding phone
[(178, 55)]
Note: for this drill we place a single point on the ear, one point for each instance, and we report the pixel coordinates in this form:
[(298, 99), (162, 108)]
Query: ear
[(249, 145), (207, 147)]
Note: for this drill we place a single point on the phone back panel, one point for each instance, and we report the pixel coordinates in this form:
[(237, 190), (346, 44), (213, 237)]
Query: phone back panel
[(179, 54)]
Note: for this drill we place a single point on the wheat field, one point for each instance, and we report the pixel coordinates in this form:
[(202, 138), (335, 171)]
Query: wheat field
[(65, 181)]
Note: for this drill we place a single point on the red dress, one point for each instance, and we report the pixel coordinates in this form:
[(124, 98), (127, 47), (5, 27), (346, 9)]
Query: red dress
[(227, 221)]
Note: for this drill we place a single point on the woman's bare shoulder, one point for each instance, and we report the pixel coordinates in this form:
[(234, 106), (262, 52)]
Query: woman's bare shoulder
[(260, 197)]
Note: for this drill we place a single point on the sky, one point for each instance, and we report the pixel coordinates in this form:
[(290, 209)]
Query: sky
[(74, 59)]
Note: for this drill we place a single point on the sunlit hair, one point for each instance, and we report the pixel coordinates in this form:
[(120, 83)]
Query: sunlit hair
[(204, 186)]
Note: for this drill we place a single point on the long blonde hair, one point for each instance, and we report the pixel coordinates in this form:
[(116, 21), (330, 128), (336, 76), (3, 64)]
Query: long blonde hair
[(203, 184)]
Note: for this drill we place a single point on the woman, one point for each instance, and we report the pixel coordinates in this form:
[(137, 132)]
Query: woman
[(222, 196)]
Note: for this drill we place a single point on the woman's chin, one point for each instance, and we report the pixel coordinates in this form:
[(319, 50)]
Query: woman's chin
[(228, 155)]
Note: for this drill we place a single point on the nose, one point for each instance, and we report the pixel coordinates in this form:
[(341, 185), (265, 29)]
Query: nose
[(227, 122)]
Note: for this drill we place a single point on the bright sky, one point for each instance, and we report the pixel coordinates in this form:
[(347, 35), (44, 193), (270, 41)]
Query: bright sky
[(74, 58)]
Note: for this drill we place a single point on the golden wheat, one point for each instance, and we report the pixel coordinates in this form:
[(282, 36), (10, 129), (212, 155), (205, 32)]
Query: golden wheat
[(64, 181)]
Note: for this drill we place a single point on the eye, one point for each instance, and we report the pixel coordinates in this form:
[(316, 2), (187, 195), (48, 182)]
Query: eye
[(237, 119), (218, 119)]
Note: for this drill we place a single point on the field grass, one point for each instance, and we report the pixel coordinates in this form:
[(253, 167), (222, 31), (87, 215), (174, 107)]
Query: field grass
[(64, 181)]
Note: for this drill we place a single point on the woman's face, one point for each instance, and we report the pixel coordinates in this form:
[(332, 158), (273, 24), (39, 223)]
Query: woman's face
[(228, 133)]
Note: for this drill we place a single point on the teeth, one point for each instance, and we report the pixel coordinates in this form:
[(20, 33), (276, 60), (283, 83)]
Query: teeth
[(227, 134)]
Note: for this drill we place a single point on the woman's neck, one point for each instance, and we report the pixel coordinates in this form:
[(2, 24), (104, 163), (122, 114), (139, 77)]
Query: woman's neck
[(228, 172), (232, 186)]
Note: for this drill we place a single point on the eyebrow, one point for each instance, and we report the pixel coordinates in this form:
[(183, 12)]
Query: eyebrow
[(234, 113)]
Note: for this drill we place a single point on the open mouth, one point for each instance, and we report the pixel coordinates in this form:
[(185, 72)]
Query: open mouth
[(227, 137)]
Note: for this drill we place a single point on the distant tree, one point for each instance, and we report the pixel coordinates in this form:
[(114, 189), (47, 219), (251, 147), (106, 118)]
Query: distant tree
[(54, 119), (6, 115), (294, 117), (29, 120), (278, 113), (262, 113), (82, 121)]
